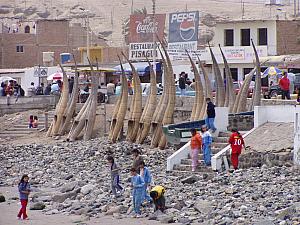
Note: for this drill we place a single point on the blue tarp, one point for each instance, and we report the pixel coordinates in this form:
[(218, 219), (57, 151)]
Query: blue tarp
[(141, 67)]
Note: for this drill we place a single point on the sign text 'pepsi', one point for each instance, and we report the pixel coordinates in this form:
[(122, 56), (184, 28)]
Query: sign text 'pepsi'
[(183, 27)]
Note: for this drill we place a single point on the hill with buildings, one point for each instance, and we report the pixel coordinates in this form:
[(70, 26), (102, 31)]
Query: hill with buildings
[(109, 18)]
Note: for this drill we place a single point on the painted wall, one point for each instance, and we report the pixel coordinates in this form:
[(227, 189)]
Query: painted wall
[(277, 114)]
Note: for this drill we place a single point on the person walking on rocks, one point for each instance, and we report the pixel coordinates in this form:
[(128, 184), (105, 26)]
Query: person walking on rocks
[(196, 146), (157, 194), (146, 175), (115, 177), (211, 114), (24, 190), (206, 140), (138, 185), (137, 159), (237, 142)]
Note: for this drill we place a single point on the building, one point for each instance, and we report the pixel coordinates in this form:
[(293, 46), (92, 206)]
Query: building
[(271, 37), (22, 45)]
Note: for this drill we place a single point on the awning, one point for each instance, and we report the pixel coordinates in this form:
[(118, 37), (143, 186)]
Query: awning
[(273, 60), (141, 67)]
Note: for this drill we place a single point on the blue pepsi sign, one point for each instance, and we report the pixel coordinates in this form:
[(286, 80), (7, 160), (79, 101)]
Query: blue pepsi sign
[(183, 26)]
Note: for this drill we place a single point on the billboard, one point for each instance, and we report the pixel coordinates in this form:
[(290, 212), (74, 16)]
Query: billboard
[(141, 27), (183, 30)]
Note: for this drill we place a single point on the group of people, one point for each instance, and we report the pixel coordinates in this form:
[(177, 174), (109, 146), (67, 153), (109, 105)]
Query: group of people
[(12, 88), (140, 182), (202, 141), (33, 121)]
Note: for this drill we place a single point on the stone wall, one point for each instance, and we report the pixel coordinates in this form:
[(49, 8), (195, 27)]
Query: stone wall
[(241, 122)]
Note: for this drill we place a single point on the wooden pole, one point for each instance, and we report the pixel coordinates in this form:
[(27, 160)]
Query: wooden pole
[(46, 121)]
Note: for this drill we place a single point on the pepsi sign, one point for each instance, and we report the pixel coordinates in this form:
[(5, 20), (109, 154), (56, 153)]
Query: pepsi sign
[(183, 27)]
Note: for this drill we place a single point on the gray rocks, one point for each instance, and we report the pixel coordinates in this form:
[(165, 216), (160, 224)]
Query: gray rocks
[(37, 206), (74, 178)]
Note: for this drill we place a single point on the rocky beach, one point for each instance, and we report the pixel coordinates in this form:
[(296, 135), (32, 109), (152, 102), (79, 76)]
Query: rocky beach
[(73, 179)]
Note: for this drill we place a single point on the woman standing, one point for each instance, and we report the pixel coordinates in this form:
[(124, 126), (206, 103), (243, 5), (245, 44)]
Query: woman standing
[(196, 146), (237, 142), (207, 140)]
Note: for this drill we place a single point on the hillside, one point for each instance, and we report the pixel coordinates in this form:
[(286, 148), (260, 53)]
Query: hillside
[(107, 17)]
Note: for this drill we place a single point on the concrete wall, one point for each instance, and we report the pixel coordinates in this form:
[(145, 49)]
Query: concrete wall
[(278, 113), (287, 41), (27, 103), (297, 136)]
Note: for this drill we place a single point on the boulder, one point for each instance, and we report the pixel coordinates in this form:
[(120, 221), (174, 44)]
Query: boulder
[(2, 198), (203, 206), (37, 206), (60, 198), (86, 189), (190, 180), (69, 187), (166, 219)]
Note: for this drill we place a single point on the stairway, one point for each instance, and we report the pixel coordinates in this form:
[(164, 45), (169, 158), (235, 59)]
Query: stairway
[(219, 142), (21, 129)]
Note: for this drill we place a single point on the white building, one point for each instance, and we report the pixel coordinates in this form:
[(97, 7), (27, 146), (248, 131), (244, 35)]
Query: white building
[(27, 75), (235, 36)]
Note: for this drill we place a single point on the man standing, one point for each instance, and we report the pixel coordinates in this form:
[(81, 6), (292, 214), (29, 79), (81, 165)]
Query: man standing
[(284, 84), (211, 114), (182, 83), (110, 88)]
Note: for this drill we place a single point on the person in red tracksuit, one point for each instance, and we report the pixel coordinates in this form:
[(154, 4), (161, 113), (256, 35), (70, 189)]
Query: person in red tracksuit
[(237, 142)]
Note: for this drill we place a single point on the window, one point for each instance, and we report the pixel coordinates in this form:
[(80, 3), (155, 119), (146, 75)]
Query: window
[(246, 71), (245, 37), (234, 73), (228, 37), (262, 36), (20, 48), (27, 29)]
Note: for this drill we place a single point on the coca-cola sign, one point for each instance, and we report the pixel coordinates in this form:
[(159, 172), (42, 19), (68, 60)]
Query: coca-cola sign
[(142, 27)]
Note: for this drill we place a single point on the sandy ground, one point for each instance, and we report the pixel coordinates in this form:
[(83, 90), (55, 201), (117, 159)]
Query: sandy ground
[(10, 208)]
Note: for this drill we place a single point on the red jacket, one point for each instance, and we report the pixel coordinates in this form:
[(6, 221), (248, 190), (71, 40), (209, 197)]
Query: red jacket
[(284, 84), (196, 141), (236, 140)]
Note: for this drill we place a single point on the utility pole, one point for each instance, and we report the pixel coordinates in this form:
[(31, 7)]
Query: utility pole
[(243, 10), (131, 7), (154, 33), (294, 8), (87, 36)]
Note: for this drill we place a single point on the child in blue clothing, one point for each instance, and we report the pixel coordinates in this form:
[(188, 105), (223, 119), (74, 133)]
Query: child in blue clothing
[(206, 144), (138, 186), (24, 190), (146, 175)]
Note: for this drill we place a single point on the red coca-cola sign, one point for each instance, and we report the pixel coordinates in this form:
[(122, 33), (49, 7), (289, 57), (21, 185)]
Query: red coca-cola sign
[(142, 27)]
